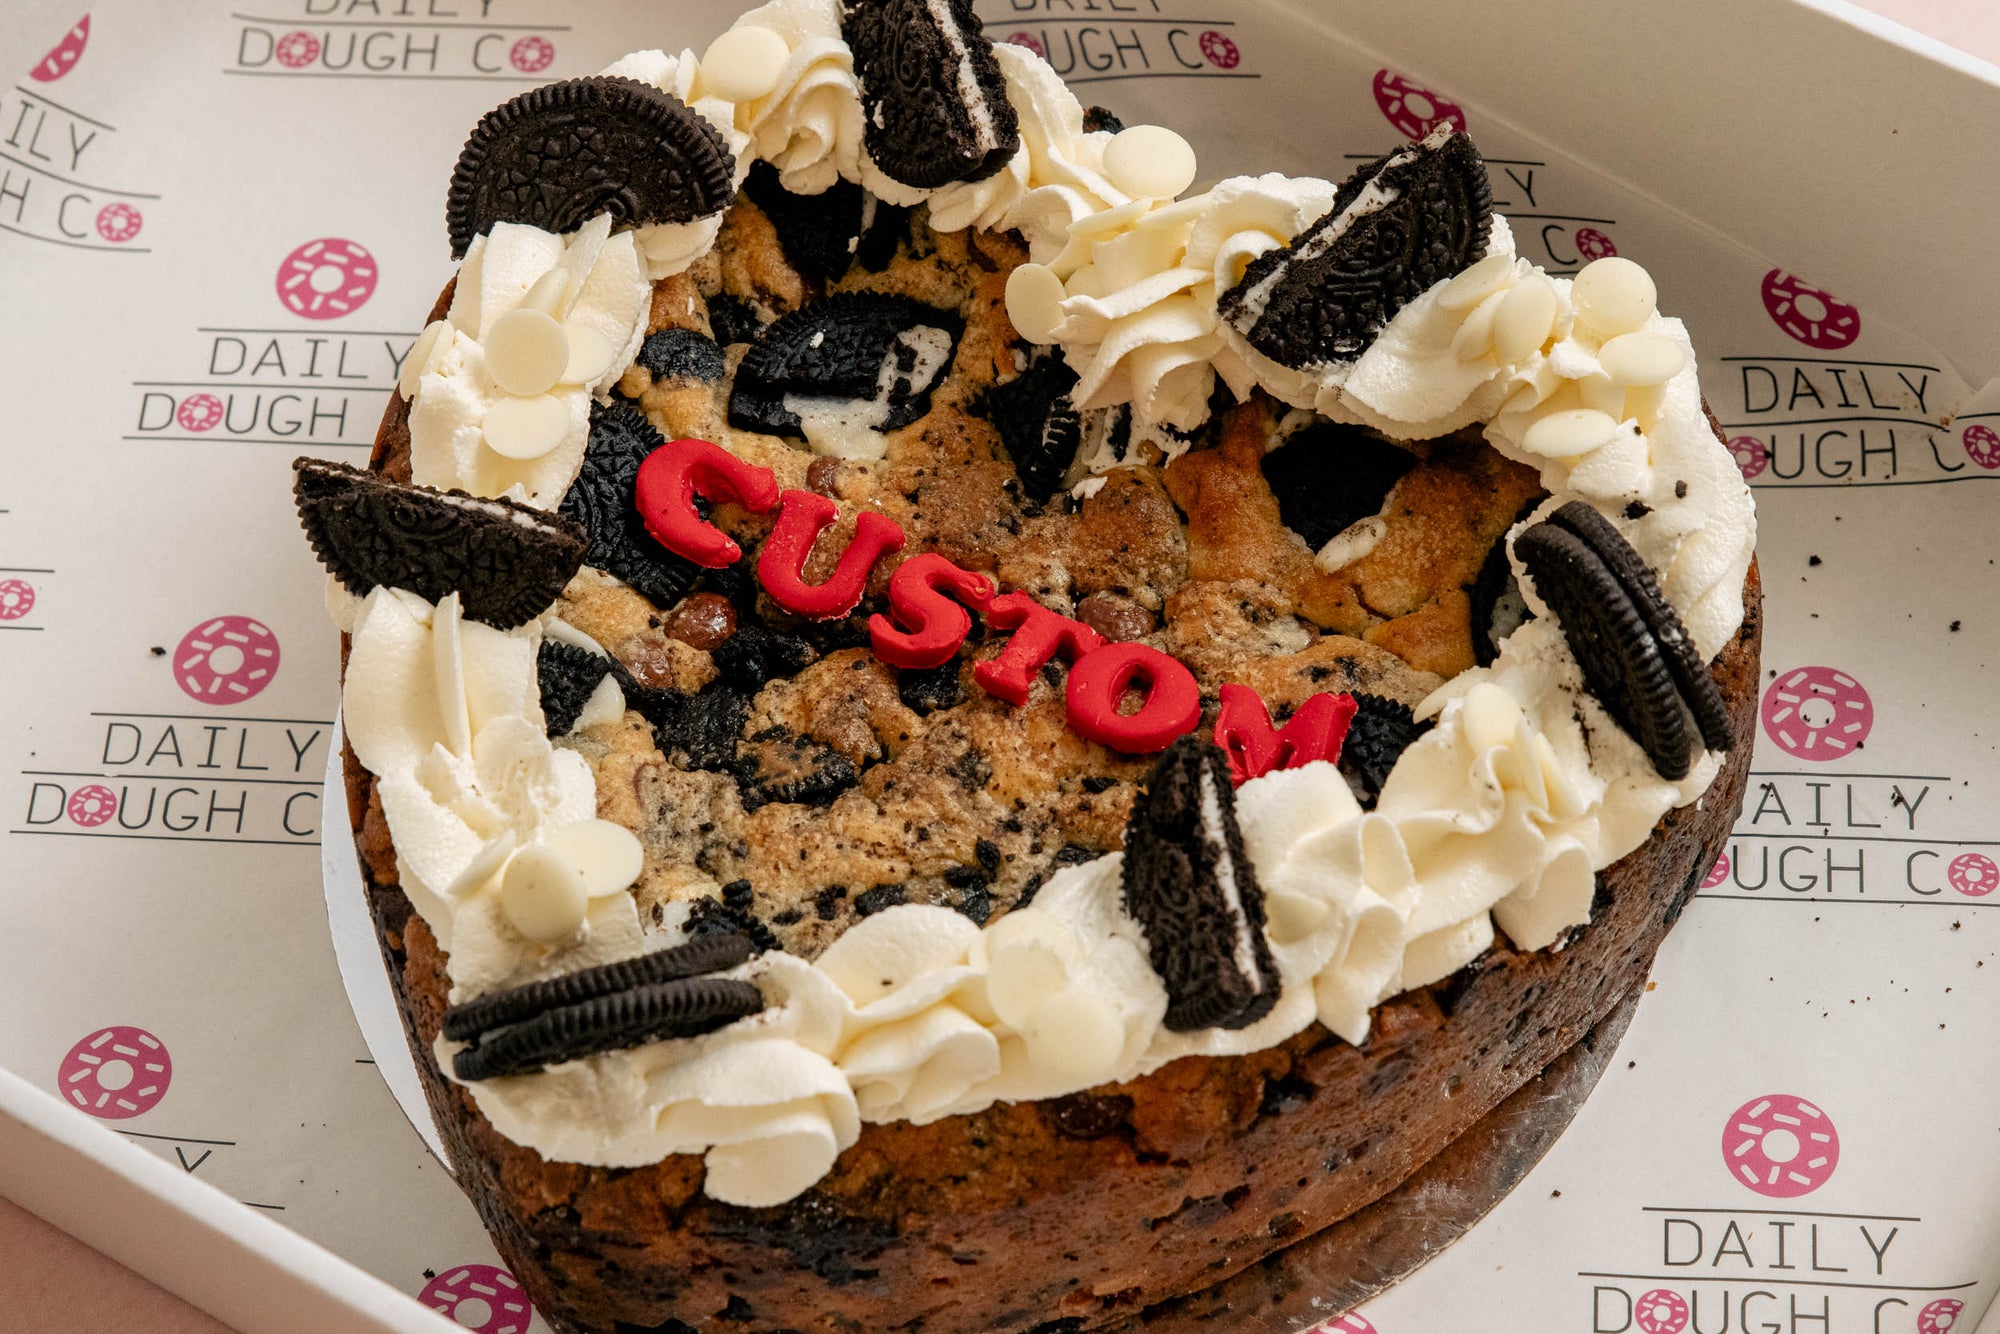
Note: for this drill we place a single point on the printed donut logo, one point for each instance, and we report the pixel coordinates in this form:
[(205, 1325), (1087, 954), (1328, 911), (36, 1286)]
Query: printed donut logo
[(1717, 873), (532, 54), (1751, 456), (1817, 713), (92, 806), (296, 50), (199, 412), (327, 278), (1973, 874), (1940, 1316), (1593, 244), (1344, 1324), (119, 223), (1780, 1145), (1219, 51), (115, 1073), (17, 599), (1661, 1311), (485, 1298), (1982, 445), (1031, 42), (62, 57), (1814, 317), (1413, 109), (226, 660)]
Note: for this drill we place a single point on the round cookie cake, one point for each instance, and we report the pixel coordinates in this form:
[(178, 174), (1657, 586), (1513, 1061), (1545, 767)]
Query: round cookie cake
[(948, 734)]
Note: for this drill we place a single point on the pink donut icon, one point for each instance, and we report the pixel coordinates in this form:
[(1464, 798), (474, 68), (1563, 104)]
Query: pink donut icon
[(1814, 317), (1030, 41), (296, 50), (115, 1073), (17, 599), (226, 660), (1593, 244), (1780, 1145), (62, 57), (119, 223), (92, 805), (199, 412), (1817, 713), (1750, 454), (327, 278), (484, 1298), (1661, 1311), (1344, 1324), (1414, 110), (1940, 1316), (1717, 873), (1220, 51), (532, 53), (1973, 874), (1982, 445)]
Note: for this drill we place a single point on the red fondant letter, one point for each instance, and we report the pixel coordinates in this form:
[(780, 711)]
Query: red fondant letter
[(1243, 729), (665, 491), (802, 517), (920, 594), (1039, 634), (1098, 682)]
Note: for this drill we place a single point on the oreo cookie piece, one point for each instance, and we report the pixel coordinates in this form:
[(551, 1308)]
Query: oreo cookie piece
[(558, 155), (1330, 475), (777, 765), (686, 354), (601, 499), (697, 731), (868, 359), (756, 654), (1322, 299), (506, 562), (1101, 118), (886, 227), (818, 233), (1036, 421), (1192, 889), (496, 1009), (934, 105), (566, 674), (685, 1008), (1382, 729), (926, 690), (733, 319), (1498, 609)]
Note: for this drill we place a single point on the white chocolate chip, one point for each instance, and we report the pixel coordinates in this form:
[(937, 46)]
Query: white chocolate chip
[(1475, 284), (744, 64), (1034, 302), (1613, 295), (1524, 321), (1569, 432), (1642, 358), (526, 352), (608, 855), (590, 354), (550, 293), (525, 428), (1489, 716), (1474, 338), (1020, 977), (1075, 1034), (542, 895), (1604, 394), (424, 353), (1149, 162)]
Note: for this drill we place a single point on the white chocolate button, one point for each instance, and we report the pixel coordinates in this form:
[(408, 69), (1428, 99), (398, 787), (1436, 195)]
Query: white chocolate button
[(1149, 162), (549, 294), (1524, 321), (542, 895), (1489, 716), (1613, 295), (608, 855), (1562, 434), (1642, 358), (525, 428), (1020, 977), (485, 863), (430, 344), (1475, 284), (526, 352), (744, 64), (1076, 1034), (1034, 302), (590, 354), (1474, 338), (1604, 394)]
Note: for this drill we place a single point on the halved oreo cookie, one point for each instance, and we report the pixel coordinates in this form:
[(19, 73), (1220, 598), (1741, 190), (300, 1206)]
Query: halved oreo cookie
[(1498, 609), (1191, 887), (682, 1009), (507, 562), (601, 499), (496, 1009), (881, 354), (1381, 731), (558, 155), (1036, 421), (567, 674), (933, 101), (1397, 226), (818, 233), (1329, 475)]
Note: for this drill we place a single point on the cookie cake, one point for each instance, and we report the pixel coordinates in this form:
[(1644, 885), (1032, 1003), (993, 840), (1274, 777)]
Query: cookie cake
[(948, 733)]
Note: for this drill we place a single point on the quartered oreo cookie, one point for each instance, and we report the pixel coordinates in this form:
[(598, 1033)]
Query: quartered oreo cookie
[(601, 500), (1636, 656), (863, 358), (818, 233), (558, 155), (1382, 729), (1329, 475), (497, 1009), (1402, 223), (507, 562), (681, 1009), (566, 675), (933, 101), (1191, 887), (1037, 422)]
